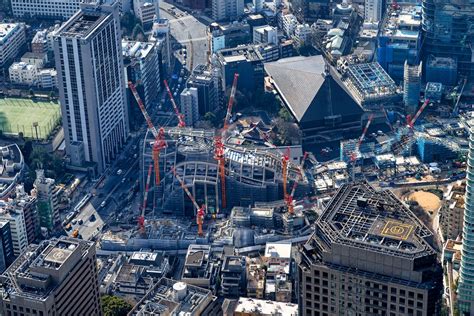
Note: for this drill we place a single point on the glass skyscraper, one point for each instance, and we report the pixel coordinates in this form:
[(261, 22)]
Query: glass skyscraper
[(466, 278), (448, 27)]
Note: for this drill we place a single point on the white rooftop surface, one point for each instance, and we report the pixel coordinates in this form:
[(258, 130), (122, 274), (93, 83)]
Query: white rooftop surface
[(149, 256), (136, 49), (278, 250), (6, 29), (266, 307)]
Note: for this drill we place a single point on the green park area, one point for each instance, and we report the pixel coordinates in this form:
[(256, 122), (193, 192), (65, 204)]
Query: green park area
[(35, 119)]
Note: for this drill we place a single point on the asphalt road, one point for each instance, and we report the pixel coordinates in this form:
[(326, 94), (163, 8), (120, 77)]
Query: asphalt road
[(186, 29)]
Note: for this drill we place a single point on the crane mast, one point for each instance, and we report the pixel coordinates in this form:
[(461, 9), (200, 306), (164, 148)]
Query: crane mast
[(141, 218)]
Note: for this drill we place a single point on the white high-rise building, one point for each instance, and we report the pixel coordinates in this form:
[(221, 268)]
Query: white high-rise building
[(227, 9), (16, 217), (52, 9), (146, 11), (373, 10), (265, 34), (91, 84), (189, 105), (12, 38)]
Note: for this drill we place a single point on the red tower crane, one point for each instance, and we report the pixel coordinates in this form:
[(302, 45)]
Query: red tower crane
[(219, 145), (353, 154), (141, 218), (180, 116), (412, 122), (160, 142), (200, 211)]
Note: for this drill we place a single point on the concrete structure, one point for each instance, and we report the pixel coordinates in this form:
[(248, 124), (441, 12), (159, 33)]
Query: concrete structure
[(146, 11), (233, 276), (42, 42), (289, 24), (6, 245), (255, 279), (12, 39), (161, 35), (302, 34), (411, 87), (254, 307), (95, 116), (369, 255), (190, 105), (373, 10), (198, 267), (169, 297), (209, 88), (45, 9), (466, 277), (11, 168), (247, 62), (57, 277), (278, 283), (265, 35), (16, 218), (227, 9), (23, 74), (36, 59), (47, 78), (442, 69), (27, 203), (142, 67), (47, 204)]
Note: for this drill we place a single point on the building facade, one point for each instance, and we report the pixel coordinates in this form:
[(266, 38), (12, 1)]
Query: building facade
[(47, 203), (91, 83), (411, 87), (373, 10), (6, 246), (45, 9), (12, 38), (369, 255), (208, 84), (466, 273), (227, 9), (146, 11), (189, 105), (16, 218), (57, 277)]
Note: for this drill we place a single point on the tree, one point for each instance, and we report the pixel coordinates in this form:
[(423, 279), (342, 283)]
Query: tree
[(115, 306), (128, 22), (138, 34), (289, 133), (285, 115), (211, 118)]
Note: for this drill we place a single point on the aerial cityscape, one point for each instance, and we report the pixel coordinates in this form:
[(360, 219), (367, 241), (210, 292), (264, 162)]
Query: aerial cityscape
[(236, 157)]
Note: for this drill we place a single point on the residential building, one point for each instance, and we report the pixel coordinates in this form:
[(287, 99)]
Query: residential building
[(465, 292), (27, 203), (255, 279), (142, 67), (198, 266), (95, 116), (265, 35), (47, 78), (161, 35), (42, 42), (370, 255), (11, 170), (247, 62), (233, 276), (16, 217), (57, 277), (23, 74), (289, 24), (217, 37), (227, 9), (208, 85), (373, 10), (411, 87), (189, 105), (278, 282), (447, 28), (6, 245), (12, 39), (47, 201), (45, 9), (452, 210), (146, 11), (37, 59), (303, 34)]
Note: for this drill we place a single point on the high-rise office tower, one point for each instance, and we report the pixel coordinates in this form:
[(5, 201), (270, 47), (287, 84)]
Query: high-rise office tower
[(208, 84), (447, 27), (91, 84), (6, 246), (57, 277), (369, 255), (411, 87), (466, 277), (189, 105)]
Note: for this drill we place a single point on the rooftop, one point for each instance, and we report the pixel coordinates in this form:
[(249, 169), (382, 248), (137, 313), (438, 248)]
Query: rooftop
[(84, 22), (239, 53), (7, 30), (362, 217), (278, 250), (404, 23), (251, 306), (135, 49)]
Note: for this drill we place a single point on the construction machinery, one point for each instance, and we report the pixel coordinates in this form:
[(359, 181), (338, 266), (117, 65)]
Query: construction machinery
[(180, 116), (284, 162), (141, 218), (200, 211), (353, 154), (407, 133), (289, 199), (159, 135), (219, 145)]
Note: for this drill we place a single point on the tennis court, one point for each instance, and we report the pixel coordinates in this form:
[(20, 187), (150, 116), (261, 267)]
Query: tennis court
[(32, 118)]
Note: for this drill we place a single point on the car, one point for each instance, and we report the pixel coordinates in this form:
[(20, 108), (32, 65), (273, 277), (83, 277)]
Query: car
[(92, 218), (124, 179), (119, 172), (80, 221), (68, 226), (74, 221), (103, 204)]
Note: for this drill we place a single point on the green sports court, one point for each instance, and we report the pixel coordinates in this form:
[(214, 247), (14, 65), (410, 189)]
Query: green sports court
[(21, 115)]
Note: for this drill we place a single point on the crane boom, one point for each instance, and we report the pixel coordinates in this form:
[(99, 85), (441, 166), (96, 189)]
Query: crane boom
[(417, 115), (143, 109), (231, 100), (300, 167), (181, 122), (200, 211), (366, 128)]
